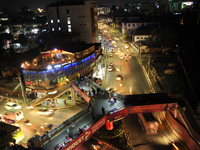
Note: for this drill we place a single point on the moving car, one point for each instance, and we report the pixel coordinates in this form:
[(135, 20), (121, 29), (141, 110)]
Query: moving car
[(110, 90), (44, 111), (117, 69), (48, 126), (12, 106), (110, 68), (119, 77), (111, 64), (15, 115)]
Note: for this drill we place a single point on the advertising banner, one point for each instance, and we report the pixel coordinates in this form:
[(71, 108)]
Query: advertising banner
[(118, 115), (145, 108), (85, 135), (81, 93)]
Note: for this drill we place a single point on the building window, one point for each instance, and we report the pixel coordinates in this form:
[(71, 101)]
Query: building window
[(68, 20), (129, 25), (69, 28), (51, 21), (52, 29), (59, 28), (58, 20), (133, 25)]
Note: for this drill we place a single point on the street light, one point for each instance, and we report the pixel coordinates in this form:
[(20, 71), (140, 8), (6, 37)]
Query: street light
[(20, 81)]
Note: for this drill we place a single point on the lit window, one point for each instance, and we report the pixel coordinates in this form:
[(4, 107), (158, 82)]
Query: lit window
[(68, 20), (51, 21), (58, 20), (52, 29), (59, 28)]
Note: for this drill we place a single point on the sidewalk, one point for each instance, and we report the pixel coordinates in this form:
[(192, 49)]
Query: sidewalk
[(88, 119)]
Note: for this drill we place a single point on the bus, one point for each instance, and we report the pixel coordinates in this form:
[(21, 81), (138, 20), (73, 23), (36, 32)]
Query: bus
[(149, 123)]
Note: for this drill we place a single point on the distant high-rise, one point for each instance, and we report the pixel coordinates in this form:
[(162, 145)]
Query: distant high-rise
[(77, 16)]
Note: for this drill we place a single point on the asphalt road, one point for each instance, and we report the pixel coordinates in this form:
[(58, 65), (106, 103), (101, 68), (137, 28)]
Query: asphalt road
[(134, 81), (139, 140)]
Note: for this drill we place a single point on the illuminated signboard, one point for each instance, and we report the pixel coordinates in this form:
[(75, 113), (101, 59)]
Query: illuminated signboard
[(188, 3), (85, 135), (118, 115)]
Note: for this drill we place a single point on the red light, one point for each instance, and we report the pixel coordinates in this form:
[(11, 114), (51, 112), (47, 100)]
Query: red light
[(100, 143)]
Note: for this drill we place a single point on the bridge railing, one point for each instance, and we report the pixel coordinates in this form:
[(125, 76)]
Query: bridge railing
[(46, 137)]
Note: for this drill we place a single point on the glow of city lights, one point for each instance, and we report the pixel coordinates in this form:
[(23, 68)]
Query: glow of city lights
[(57, 66), (35, 31), (49, 67)]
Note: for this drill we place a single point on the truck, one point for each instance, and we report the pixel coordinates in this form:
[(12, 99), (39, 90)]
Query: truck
[(149, 122)]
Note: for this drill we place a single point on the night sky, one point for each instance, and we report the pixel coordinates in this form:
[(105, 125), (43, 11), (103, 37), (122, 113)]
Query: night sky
[(16, 4)]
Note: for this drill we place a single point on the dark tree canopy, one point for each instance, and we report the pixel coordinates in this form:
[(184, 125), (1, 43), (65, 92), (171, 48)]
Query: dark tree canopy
[(163, 37)]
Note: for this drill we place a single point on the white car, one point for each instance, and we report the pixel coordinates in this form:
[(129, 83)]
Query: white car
[(111, 64), (12, 106), (126, 46), (121, 57), (119, 77), (117, 69), (110, 68), (44, 111)]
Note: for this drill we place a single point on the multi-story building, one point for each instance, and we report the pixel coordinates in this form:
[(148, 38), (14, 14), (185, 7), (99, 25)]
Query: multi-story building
[(129, 26), (176, 6), (141, 35), (103, 10), (59, 65), (74, 16)]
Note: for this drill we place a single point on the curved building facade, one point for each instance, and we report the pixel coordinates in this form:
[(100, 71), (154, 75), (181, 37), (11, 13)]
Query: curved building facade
[(57, 67)]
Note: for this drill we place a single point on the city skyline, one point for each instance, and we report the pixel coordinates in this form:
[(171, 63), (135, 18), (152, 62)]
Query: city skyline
[(16, 5)]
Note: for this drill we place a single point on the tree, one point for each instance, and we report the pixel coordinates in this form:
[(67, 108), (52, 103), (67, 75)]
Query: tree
[(5, 138), (23, 40), (163, 37)]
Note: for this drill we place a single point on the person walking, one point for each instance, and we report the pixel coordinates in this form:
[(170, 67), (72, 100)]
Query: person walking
[(103, 110), (65, 101)]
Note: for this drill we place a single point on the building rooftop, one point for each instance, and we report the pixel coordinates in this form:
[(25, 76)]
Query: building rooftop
[(72, 47), (139, 21), (67, 2), (143, 31)]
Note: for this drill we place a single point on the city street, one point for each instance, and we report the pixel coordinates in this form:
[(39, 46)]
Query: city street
[(139, 140), (37, 120), (133, 81)]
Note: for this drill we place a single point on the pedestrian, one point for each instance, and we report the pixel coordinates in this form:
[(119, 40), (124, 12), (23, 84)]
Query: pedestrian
[(56, 101), (65, 101), (80, 131), (115, 100), (103, 110), (73, 124)]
